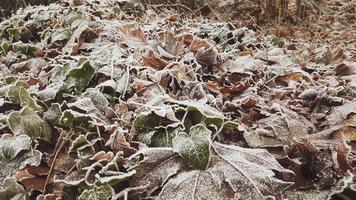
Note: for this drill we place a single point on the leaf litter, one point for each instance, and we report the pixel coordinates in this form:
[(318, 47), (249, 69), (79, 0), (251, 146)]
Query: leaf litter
[(106, 100)]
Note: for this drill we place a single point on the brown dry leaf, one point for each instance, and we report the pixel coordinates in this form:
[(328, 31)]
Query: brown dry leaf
[(152, 60), (173, 18), (207, 57), (330, 140), (132, 36), (33, 178), (197, 44), (117, 142), (229, 90), (235, 90), (34, 183), (188, 39), (349, 129), (293, 76), (172, 45), (341, 113), (343, 70), (339, 53)]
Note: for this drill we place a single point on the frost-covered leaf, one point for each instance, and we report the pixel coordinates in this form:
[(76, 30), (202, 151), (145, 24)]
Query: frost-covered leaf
[(27, 121), (103, 192), (79, 77), (34, 66), (50, 92), (146, 123), (158, 127), (10, 188), (199, 114), (157, 166), (195, 147), (59, 72), (278, 129), (233, 173), (83, 105), (53, 114), (60, 36), (72, 118), (13, 92), (96, 97), (341, 113), (15, 153), (27, 100), (11, 146), (27, 49), (78, 144)]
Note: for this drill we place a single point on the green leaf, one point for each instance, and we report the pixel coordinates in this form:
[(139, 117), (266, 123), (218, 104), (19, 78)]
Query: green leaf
[(15, 153), (24, 48), (196, 116), (146, 123), (49, 92), (60, 36), (114, 180), (13, 92), (71, 118), (59, 73), (164, 137), (4, 47), (96, 97), (11, 188), (97, 193), (79, 77), (161, 137), (53, 114), (27, 100), (194, 147), (28, 122), (78, 144)]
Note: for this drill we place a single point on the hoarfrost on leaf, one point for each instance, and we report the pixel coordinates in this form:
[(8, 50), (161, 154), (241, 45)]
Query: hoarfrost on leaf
[(195, 146), (233, 173), (103, 192), (11, 159), (27, 121)]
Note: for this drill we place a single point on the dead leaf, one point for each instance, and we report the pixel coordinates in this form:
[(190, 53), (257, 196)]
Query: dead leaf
[(151, 60)]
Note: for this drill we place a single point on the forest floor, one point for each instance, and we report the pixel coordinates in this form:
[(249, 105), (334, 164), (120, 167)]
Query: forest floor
[(113, 100)]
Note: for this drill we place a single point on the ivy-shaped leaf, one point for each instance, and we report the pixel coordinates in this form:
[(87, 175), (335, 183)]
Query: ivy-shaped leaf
[(195, 146), (24, 48), (103, 192), (15, 153), (13, 92), (146, 123), (79, 77), (27, 121), (27, 100), (72, 118), (196, 115), (53, 114), (96, 97), (10, 188), (59, 72)]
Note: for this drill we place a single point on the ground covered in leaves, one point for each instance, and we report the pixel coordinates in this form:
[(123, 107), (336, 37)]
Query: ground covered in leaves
[(108, 100)]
